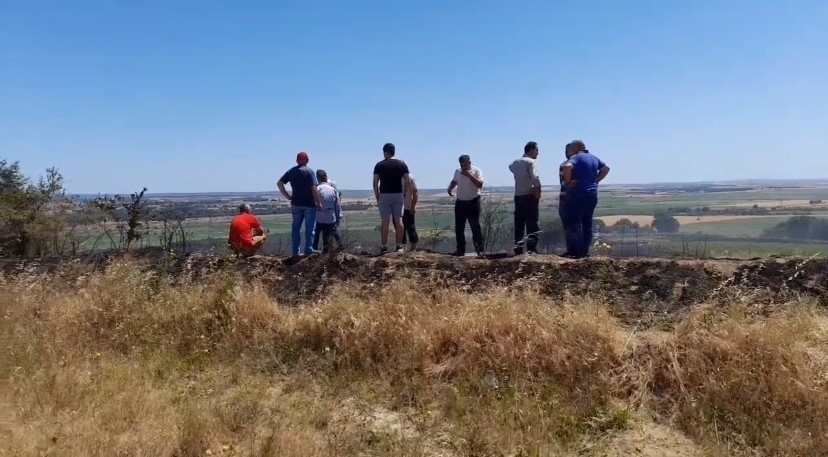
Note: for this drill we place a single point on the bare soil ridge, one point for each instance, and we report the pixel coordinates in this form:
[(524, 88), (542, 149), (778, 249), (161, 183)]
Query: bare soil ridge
[(648, 291)]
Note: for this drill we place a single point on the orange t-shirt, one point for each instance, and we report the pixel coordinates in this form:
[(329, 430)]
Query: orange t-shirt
[(241, 229)]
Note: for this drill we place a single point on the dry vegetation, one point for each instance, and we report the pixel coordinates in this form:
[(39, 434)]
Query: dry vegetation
[(127, 361)]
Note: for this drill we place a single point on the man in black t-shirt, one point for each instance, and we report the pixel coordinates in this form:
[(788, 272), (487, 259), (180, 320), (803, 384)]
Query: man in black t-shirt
[(390, 182)]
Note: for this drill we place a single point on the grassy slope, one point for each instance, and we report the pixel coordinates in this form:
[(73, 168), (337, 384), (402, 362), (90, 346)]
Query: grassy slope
[(127, 363)]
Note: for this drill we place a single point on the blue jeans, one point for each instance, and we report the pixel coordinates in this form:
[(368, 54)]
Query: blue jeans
[(308, 216), (578, 212), (562, 212)]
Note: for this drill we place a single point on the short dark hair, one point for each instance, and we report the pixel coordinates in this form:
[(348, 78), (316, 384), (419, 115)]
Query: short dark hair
[(465, 158), (529, 146), (321, 174), (389, 149), (578, 144), (245, 208)]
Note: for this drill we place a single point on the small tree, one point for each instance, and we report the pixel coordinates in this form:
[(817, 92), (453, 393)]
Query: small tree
[(493, 214), (665, 223), (135, 210), (129, 217), (552, 233), (24, 207)]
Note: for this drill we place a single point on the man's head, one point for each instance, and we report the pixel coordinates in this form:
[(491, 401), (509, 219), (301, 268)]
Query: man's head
[(531, 149), (388, 150), (245, 208), (321, 176), (569, 151), (465, 162), (302, 158), (577, 146)]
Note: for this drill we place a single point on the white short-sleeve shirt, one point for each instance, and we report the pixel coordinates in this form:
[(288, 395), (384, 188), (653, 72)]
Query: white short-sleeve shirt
[(466, 190)]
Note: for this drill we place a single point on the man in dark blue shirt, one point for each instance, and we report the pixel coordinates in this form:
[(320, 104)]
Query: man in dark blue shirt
[(570, 245), (581, 175), (304, 202)]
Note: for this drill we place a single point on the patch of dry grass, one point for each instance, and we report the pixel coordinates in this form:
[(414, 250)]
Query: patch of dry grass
[(127, 363)]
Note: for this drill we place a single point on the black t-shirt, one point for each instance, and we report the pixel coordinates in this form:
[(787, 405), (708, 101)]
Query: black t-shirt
[(391, 172)]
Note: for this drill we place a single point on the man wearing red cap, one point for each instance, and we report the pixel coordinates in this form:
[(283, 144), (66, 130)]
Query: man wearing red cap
[(304, 202)]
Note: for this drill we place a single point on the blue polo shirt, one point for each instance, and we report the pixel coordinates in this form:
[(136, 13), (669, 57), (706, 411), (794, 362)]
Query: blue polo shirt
[(302, 180), (585, 169)]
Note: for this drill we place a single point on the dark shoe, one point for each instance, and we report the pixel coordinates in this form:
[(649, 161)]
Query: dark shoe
[(458, 253), (518, 251), (383, 250)]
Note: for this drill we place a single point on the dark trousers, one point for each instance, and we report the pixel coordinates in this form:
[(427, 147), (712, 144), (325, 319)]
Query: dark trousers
[(578, 214), (468, 210), (570, 240), (328, 233), (526, 223), (409, 228)]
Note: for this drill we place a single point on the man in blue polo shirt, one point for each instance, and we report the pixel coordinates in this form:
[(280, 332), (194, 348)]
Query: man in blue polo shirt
[(570, 247), (303, 203), (581, 175)]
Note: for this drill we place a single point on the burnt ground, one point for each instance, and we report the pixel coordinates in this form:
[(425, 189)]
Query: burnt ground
[(638, 291)]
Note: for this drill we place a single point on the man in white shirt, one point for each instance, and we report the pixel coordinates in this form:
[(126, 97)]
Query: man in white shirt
[(468, 180)]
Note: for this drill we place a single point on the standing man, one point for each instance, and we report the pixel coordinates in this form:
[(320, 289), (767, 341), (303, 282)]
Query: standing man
[(527, 199), (327, 218), (468, 180), (412, 196), (390, 182), (570, 246), (582, 173), (341, 211), (304, 202), (246, 233)]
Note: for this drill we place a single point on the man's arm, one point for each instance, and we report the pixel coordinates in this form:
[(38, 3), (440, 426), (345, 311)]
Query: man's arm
[(257, 227), (567, 173), (316, 197), (603, 173), (415, 197), (451, 187), (536, 184), (376, 186), (337, 207), (284, 192), (475, 178)]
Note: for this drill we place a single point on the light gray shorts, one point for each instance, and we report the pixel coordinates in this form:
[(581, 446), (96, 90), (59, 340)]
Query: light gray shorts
[(390, 205)]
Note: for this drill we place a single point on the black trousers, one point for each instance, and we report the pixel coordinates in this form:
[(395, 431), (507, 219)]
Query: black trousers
[(468, 210), (526, 223), (409, 228), (328, 233)]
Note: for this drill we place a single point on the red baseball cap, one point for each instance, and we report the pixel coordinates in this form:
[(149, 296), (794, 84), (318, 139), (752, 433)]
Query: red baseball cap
[(302, 157)]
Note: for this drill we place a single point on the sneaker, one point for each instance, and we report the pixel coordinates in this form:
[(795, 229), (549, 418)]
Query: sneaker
[(400, 249), (383, 250), (458, 253), (413, 247), (518, 251)]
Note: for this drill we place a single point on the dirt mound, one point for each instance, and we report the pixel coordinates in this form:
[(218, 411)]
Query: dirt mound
[(641, 291)]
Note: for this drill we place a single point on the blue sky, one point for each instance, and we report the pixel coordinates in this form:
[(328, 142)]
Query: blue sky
[(195, 96)]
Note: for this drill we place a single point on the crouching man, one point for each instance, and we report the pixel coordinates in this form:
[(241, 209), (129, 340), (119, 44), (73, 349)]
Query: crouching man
[(246, 233)]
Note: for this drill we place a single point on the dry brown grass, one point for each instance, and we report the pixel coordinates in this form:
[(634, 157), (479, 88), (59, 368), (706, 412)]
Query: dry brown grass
[(126, 363)]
